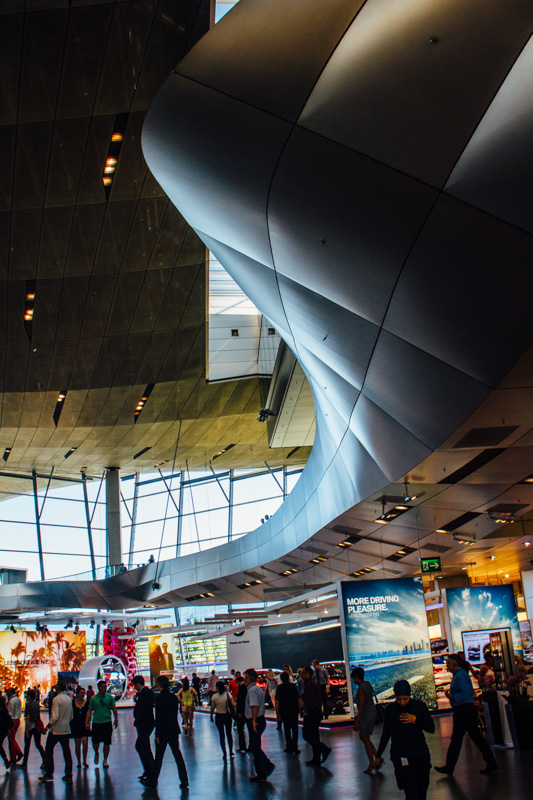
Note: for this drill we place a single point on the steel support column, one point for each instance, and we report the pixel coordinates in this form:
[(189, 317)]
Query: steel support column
[(38, 523), (133, 520), (113, 527), (88, 519)]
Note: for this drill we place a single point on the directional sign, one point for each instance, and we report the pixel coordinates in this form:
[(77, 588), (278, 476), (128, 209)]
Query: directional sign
[(430, 565)]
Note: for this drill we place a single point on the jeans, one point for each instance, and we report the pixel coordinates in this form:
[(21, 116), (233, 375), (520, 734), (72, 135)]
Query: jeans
[(465, 720), (261, 760), (27, 742), (413, 778), (241, 723), (51, 741), (144, 749), (223, 723), (290, 729), (160, 747), (2, 751)]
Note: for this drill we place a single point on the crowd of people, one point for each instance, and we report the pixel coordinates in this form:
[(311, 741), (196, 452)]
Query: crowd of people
[(238, 708)]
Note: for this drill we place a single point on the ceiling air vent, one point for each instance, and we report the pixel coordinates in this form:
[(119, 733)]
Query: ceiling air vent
[(473, 465), (485, 437)]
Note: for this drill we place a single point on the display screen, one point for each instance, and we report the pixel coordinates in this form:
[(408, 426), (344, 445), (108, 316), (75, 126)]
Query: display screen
[(476, 644)]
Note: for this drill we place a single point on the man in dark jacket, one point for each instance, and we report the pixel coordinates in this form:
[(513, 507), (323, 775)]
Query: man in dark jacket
[(240, 719), (288, 707), (167, 730), (143, 719), (312, 705), (404, 723)]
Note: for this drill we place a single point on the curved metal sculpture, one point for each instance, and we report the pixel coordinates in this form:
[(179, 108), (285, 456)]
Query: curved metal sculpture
[(363, 171)]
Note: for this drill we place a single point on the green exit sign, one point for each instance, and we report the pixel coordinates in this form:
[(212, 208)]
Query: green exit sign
[(430, 565)]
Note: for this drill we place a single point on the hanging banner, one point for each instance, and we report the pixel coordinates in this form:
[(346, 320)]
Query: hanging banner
[(29, 658), (473, 608), (386, 633)]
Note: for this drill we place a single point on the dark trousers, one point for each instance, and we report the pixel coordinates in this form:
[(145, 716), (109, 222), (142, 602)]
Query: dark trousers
[(324, 693), (261, 760), (465, 720), (223, 723), (241, 723), (144, 749), (290, 729), (413, 778), (311, 733), (51, 741), (27, 742), (2, 751), (173, 743)]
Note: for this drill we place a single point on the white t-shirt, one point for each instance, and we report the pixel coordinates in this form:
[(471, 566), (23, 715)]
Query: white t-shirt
[(220, 701), (61, 714), (14, 707)]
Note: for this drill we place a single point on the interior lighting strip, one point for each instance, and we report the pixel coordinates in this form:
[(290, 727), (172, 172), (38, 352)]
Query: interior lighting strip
[(140, 405), (114, 151), (59, 406)]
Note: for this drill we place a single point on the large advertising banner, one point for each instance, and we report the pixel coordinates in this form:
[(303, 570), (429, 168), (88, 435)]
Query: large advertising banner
[(386, 634), (28, 658), (161, 650), (474, 608)]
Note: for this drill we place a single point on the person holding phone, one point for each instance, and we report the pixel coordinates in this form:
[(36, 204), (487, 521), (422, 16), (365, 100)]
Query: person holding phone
[(404, 724)]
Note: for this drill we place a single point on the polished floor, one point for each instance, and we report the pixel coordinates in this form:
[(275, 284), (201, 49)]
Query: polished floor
[(213, 779)]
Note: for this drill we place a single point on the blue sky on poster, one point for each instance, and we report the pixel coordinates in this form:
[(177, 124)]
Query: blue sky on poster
[(482, 607)]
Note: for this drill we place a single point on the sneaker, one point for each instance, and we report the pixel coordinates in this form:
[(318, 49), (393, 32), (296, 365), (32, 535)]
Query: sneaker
[(105, 765), (326, 753), (184, 785), (489, 768), (46, 778), (149, 784), (96, 757), (313, 763), (444, 770), (67, 778)]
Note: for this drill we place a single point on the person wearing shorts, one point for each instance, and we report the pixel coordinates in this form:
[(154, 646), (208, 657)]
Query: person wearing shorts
[(101, 706)]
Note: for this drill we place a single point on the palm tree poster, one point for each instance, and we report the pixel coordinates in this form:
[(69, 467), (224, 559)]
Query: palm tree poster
[(29, 658)]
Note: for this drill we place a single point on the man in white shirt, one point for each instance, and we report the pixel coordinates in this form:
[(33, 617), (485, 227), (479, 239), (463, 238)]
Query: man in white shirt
[(212, 684), (254, 712), (59, 731), (14, 708)]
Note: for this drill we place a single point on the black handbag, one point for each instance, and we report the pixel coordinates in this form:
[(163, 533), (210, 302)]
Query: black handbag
[(380, 709)]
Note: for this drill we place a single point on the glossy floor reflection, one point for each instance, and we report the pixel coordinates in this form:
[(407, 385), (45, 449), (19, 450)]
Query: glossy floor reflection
[(212, 778)]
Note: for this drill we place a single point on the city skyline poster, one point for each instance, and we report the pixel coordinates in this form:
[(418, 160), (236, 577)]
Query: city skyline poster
[(386, 633)]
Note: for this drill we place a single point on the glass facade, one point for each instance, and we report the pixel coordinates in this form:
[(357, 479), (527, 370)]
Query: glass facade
[(57, 528)]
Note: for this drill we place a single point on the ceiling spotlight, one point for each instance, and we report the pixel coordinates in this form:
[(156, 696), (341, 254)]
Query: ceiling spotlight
[(407, 496), (104, 622), (501, 517), (465, 538), (12, 629), (493, 558), (526, 544), (388, 516), (93, 623), (155, 586), (506, 575)]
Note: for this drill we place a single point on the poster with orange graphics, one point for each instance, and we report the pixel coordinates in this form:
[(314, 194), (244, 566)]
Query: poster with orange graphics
[(28, 658)]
